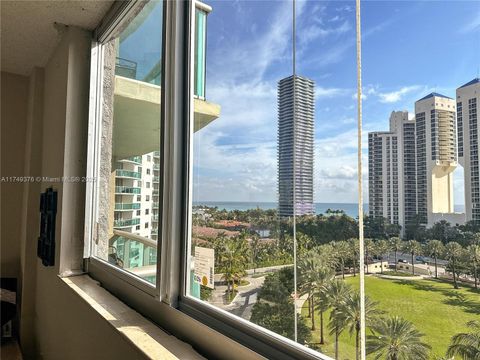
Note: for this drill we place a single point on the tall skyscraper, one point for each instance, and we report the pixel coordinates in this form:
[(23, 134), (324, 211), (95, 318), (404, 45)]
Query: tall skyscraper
[(295, 143), (391, 167), (468, 100), (436, 147)]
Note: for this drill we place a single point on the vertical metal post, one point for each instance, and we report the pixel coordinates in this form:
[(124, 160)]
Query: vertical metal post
[(360, 182)]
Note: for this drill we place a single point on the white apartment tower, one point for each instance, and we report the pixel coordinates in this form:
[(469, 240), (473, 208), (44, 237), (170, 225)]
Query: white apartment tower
[(391, 162), (468, 100), (136, 206), (436, 156)]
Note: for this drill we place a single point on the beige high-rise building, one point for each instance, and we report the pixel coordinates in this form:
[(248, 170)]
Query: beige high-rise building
[(468, 99), (436, 158)]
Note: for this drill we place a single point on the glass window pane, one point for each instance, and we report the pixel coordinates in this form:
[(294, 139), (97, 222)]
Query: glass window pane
[(274, 170), (421, 248), (130, 149)]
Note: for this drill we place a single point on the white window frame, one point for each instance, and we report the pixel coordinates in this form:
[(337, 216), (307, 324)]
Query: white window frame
[(162, 302)]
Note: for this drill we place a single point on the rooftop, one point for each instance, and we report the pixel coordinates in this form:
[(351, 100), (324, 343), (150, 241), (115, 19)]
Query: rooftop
[(474, 81), (434, 94)]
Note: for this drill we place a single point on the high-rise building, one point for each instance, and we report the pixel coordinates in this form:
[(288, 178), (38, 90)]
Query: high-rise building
[(468, 100), (391, 167), (295, 144), (436, 153), (136, 207)]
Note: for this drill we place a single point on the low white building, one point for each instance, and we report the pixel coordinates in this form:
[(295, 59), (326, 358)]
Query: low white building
[(421, 269), (376, 267)]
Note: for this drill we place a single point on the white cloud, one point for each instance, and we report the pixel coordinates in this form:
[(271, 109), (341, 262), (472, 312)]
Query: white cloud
[(321, 92), (473, 25), (395, 96)]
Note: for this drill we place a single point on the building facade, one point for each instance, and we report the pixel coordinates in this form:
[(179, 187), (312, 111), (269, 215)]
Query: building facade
[(295, 145), (436, 156), (391, 165), (468, 100)]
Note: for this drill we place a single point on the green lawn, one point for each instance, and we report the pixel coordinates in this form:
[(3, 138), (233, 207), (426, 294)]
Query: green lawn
[(435, 307)]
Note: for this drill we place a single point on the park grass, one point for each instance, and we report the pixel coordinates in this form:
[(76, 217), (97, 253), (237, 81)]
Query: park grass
[(434, 307), (398, 273)]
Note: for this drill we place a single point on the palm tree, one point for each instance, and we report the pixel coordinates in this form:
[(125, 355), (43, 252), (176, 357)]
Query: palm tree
[(413, 247), (342, 251), (435, 249), (381, 247), (474, 256), (254, 244), (323, 277), (336, 292), (354, 250), (307, 268), (233, 259), (395, 244), (466, 345), (368, 245), (395, 338), (453, 251), (350, 312)]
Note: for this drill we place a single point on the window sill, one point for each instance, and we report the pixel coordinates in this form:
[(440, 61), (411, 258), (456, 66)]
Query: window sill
[(140, 332)]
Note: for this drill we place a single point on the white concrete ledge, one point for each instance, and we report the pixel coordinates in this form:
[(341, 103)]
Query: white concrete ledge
[(140, 332)]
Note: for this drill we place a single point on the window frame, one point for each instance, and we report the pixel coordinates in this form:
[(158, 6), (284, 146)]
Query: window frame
[(119, 15), (167, 302)]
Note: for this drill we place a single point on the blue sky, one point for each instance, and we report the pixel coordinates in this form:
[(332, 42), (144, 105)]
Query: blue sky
[(410, 48)]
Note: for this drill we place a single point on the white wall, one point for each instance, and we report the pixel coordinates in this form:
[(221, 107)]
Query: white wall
[(14, 92), (39, 116)]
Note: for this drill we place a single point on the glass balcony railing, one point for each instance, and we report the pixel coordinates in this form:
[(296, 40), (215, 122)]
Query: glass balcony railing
[(155, 218), (134, 253), (154, 231), (156, 179), (155, 191), (127, 190), (156, 153), (127, 222), (156, 166), (125, 68), (155, 205), (127, 173), (127, 206), (135, 159)]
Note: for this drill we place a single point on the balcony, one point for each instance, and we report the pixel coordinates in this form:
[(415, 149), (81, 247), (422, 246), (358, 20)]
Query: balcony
[(126, 68), (155, 218), (155, 205), (155, 192), (156, 179), (125, 223), (156, 154), (156, 166), (154, 231), (126, 259), (127, 206), (127, 190), (143, 98), (128, 174), (133, 159)]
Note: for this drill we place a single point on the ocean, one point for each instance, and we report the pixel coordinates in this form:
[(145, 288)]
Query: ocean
[(351, 209)]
